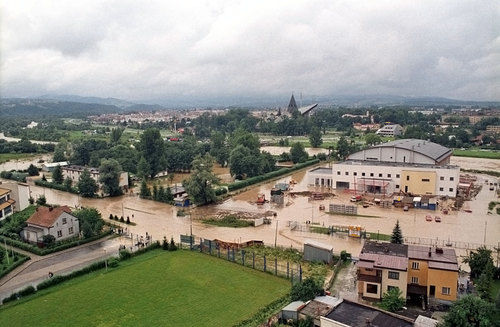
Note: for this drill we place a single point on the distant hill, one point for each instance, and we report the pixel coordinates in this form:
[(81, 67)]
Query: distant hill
[(96, 100)]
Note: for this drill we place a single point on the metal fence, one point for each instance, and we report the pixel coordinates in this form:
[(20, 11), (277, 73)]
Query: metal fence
[(446, 243), (244, 256)]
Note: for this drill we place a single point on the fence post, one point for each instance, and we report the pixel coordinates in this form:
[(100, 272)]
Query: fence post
[(253, 260), (287, 269), (227, 254), (300, 273), (191, 242), (210, 247), (265, 263), (201, 245), (218, 252), (276, 266), (233, 256), (243, 257)]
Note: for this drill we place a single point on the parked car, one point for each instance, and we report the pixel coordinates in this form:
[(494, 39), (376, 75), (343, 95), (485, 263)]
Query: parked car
[(405, 208), (428, 218), (437, 219), (356, 198)]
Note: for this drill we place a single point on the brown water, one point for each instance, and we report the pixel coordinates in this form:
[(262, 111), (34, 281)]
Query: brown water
[(277, 150), (160, 219), (476, 163), (13, 139), (25, 163)]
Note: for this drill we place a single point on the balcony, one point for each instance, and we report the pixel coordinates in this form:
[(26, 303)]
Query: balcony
[(370, 278)]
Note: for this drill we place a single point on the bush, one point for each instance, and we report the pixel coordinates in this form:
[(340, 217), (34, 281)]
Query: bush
[(113, 262), (27, 291), (121, 219), (306, 290), (127, 221), (172, 246), (125, 255), (55, 186), (11, 298), (41, 200), (220, 191)]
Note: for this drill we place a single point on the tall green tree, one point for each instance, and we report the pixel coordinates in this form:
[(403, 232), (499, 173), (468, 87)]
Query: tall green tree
[(87, 186), (109, 176), (397, 234), (480, 261), (199, 185), (68, 182), (116, 134), (57, 175), (218, 149), (298, 153), (59, 154), (243, 162), (90, 220), (343, 148), (32, 170), (143, 170), (470, 311), (152, 148), (145, 192), (372, 139), (315, 137), (306, 290)]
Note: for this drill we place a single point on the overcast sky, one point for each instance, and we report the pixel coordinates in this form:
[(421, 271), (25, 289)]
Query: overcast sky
[(139, 50)]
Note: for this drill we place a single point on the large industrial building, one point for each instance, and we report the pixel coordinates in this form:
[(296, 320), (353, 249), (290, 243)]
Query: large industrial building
[(407, 165)]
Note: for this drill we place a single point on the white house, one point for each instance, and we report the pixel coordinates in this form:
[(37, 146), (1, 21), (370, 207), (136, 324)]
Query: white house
[(58, 222), (6, 203), (20, 193), (49, 167), (390, 130)]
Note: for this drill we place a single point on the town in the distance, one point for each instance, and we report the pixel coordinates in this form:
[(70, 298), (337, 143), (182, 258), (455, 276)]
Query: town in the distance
[(300, 214)]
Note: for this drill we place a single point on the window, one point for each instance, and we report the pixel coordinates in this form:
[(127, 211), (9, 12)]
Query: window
[(355, 174), (441, 178), (414, 280), (347, 173), (371, 174), (59, 233), (362, 174), (379, 175), (64, 221), (451, 189), (397, 175), (415, 265), (446, 291), (372, 288), (389, 175), (338, 172), (393, 275), (70, 230), (451, 179), (397, 186), (441, 189), (425, 180), (407, 178)]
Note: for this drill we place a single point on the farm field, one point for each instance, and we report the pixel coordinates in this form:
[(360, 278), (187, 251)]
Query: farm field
[(477, 154), (4, 157), (158, 289)]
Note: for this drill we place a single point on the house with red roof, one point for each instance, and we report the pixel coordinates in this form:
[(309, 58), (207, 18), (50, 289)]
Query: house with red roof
[(55, 221)]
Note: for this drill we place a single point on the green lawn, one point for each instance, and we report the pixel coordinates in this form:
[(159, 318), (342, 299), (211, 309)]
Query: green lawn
[(477, 154), (155, 289)]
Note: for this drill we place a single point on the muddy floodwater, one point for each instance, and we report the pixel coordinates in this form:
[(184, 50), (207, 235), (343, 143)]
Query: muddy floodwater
[(14, 139), (159, 220), (476, 163), (277, 150), (23, 164)]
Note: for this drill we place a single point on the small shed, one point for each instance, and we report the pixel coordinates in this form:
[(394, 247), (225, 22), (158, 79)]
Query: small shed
[(291, 311), (316, 251), (433, 203), (49, 167), (417, 201), (182, 201)]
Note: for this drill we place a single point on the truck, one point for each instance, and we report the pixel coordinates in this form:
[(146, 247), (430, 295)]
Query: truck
[(356, 198)]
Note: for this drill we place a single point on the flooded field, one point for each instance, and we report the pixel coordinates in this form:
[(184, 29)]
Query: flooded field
[(25, 163), (13, 139), (476, 163), (160, 219), (277, 150)]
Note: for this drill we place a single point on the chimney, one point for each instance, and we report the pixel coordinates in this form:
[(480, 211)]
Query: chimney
[(430, 251)]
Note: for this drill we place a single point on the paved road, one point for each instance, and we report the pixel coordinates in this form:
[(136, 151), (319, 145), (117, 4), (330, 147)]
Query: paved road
[(37, 269)]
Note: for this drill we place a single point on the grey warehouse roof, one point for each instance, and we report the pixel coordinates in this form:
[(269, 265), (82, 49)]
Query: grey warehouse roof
[(426, 148)]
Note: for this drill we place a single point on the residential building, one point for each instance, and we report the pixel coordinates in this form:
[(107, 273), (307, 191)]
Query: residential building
[(55, 221), (411, 166), (381, 267), (74, 172), (415, 270), (433, 272), (495, 129), (6, 203), (20, 193), (390, 130)]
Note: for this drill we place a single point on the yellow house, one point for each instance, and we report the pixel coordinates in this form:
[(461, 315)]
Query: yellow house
[(433, 272)]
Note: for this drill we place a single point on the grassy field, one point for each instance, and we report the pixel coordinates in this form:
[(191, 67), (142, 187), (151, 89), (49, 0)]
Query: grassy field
[(4, 157), (155, 289), (477, 154)]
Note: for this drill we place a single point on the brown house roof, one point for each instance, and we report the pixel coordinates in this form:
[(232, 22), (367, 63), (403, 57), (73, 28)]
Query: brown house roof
[(47, 216)]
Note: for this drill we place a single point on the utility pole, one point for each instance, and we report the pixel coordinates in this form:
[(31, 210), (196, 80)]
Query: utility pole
[(484, 239), (276, 234)]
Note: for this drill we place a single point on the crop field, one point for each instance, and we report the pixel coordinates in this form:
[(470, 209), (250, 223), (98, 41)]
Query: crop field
[(154, 289)]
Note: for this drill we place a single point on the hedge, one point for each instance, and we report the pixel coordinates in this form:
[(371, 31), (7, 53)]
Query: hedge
[(264, 313), (13, 175), (280, 172), (16, 264), (55, 186), (36, 250)]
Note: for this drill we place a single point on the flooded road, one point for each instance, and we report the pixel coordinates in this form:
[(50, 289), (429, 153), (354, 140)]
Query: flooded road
[(14, 139), (161, 220)]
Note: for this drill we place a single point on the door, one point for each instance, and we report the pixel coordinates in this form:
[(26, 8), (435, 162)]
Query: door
[(432, 291), (406, 189)]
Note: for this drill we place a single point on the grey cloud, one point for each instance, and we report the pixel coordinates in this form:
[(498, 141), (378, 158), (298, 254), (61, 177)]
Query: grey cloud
[(141, 50)]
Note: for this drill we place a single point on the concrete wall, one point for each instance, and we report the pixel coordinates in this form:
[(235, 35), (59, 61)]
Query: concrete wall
[(400, 283), (440, 279), (446, 178), (20, 192), (418, 182)]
